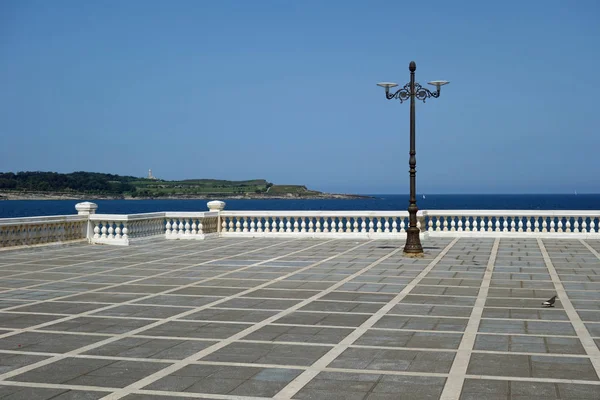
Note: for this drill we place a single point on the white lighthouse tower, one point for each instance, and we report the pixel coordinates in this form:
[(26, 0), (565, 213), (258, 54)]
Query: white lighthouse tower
[(150, 176)]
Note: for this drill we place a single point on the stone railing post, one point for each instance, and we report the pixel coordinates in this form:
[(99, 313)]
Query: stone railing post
[(87, 208), (421, 221), (218, 206)]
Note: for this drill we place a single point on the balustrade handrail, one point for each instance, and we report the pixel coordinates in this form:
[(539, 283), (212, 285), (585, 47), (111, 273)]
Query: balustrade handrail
[(126, 217), (316, 213), (511, 213), (191, 214), (42, 219)]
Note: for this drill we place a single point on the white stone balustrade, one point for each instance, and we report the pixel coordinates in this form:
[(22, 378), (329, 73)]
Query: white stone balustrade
[(31, 231), (119, 229), (513, 223), (355, 224), (191, 225)]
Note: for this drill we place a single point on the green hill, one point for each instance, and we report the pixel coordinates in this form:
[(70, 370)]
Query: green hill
[(129, 186)]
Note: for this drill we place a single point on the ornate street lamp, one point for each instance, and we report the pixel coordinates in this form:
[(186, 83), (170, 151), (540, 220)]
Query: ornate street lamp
[(412, 90)]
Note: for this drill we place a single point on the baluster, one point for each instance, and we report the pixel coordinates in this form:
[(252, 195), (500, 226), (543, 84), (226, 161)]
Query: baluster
[(438, 224), (490, 224), (118, 231), (288, 224), (477, 224), (325, 225), (110, 231), (371, 225), (334, 224), (125, 231), (552, 225), (568, 224), (576, 225), (200, 226), (104, 229), (536, 224), (379, 225), (497, 225), (281, 224), (296, 225), (348, 225), (187, 227), (386, 226), (252, 224), (592, 225), (505, 225), (452, 224), (318, 225), (303, 224), (445, 224), (363, 224), (355, 226), (394, 225), (259, 227), (584, 225), (311, 226), (194, 226), (544, 224), (520, 224), (560, 225), (238, 224), (460, 224), (403, 225)]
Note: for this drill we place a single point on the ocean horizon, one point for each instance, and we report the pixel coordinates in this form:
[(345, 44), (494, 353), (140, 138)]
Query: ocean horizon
[(378, 202)]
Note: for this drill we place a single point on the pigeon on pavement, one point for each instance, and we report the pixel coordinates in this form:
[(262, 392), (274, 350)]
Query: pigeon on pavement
[(549, 302)]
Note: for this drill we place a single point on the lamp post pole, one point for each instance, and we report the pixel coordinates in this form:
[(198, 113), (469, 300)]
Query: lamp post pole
[(413, 241), (413, 91)]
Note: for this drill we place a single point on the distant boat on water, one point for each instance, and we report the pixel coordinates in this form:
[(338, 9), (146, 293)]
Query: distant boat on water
[(423, 197)]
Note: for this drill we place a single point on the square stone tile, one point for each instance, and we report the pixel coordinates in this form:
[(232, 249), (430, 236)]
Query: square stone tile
[(331, 319), (231, 380), (135, 347), (217, 314), (47, 342), (28, 393), (422, 323), (22, 321), (301, 334), (201, 330), (268, 353), (98, 325), (394, 360), (432, 340), (140, 311), (9, 362)]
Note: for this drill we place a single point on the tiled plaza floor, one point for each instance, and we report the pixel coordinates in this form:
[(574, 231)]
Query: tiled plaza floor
[(302, 319)]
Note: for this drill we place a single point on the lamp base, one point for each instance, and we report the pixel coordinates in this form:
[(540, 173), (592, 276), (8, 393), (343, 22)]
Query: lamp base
[(413, 241)]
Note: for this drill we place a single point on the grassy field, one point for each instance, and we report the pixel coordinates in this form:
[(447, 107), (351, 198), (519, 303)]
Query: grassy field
[(129, 186)]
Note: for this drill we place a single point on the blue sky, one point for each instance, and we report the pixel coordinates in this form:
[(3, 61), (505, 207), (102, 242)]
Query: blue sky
[(285, 91)]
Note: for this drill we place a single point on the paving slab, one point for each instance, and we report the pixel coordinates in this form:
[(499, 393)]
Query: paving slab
[(302, 319)]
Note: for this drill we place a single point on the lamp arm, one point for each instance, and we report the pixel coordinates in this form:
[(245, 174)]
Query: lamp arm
[(420, 93)]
